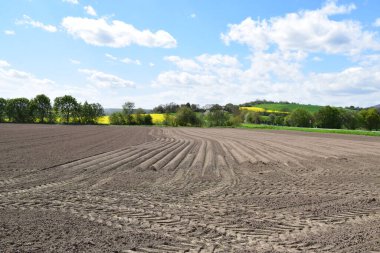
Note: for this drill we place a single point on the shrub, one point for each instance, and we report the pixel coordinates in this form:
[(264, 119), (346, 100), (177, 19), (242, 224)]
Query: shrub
[(300, 118), (371, 118), (117, 118), (186, 117)]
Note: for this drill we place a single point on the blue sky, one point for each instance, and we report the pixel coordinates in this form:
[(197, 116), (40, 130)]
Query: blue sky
[(153, 52)]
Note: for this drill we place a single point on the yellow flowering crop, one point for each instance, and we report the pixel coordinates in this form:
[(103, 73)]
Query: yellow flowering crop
[(258, 109)]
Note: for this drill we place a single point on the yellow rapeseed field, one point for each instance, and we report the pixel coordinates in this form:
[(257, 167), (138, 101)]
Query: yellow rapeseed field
[(258, 109), (251, 108), (105, 120), (157, 118)]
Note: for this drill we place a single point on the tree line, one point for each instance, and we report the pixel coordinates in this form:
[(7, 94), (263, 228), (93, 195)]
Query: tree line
[(231, 115), (326, 117), (131, 116), (65, 109)]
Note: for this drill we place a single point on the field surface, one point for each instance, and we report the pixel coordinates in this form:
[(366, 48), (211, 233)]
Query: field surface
[(150, 189)]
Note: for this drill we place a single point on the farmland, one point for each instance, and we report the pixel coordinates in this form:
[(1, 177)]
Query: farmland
[(285, 107), (151, 189), (157, 119)]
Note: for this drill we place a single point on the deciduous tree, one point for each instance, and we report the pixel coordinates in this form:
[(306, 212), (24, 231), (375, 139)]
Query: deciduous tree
[(41, 107), (66, 107)]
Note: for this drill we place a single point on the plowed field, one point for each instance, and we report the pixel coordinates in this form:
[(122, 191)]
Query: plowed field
[(147, 189)]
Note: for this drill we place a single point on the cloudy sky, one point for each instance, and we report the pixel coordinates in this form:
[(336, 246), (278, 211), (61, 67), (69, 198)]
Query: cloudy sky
[(153, 52)]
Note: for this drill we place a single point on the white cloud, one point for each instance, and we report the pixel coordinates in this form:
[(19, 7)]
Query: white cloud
[(308, 31), (90, 10), (75, 62), (193, 15), (71, 1), (9, 32), (184, 64), (125, 60), (26, 20), (211, 71), (376, 23), (104, 80), (111, 57), (4, 64), (218, 60), (151, 64), (117, 34), (274, 76), (17, 83), (130, 61), (350, 81)]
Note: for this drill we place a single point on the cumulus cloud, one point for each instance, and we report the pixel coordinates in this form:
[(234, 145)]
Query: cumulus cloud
[(26, 20), (9, 32), (104, 80), (16, 83), (276, 76), (184, 64), (376, 23), (116, 34), (4, 64), (308, 31), (90, 10), (211, 71), (71, 1)]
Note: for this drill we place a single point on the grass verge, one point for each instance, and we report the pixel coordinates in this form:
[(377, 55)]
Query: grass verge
[(314, 130)]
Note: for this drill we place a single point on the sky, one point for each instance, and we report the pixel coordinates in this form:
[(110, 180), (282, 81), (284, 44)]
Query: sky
[(154, 52)]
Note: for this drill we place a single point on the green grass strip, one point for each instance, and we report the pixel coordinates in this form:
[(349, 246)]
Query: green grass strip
[(314, 130)]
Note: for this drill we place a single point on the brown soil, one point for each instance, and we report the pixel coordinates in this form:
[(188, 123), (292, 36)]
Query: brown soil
[(136, 189)]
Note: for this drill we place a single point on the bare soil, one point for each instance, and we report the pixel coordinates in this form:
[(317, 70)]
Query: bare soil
[(148, 189)]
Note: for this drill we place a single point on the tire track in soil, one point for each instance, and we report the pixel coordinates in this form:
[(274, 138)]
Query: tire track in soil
[(203, 196)]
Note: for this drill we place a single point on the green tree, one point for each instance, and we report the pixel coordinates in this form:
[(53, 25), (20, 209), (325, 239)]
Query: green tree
[(89, 113), (235, 120), (139, 116), (41, 107), (66, 107), (371, 119), (217, 116), (350, 119), (148, 119), (328, 117), (3, 105), (252, 117), (279, 121), (18, 110), (186, 117), (300, 118), (231, 108), (169, 120), (272, 118), (128, 108), (117, 118)]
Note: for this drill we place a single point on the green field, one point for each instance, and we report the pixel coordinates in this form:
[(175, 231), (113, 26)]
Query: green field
[(317, 130), (288, 107)]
